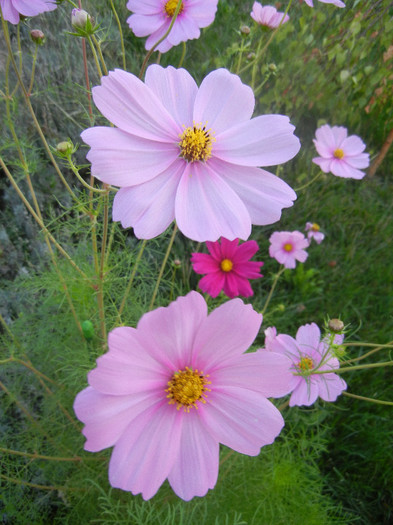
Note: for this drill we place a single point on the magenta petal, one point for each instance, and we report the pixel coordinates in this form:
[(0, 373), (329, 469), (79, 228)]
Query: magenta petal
[(204, 263), (212, 283), (195, 470), (245, 251), (147, 450)]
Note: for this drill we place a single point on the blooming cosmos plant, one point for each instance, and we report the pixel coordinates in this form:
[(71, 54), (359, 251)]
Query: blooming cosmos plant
[(168, 392), (307, 354), (313, 232), (154, 17), (340, 154), (288, 247), (337, 3), (228, 267), (12, 9), (267, 16), (179, 152)]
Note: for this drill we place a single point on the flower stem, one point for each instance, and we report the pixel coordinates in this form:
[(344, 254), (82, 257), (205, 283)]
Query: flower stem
[(380, 347), (351, 368), (183, 54), (123, 51), (370, 399), (280, 272), (33, 70), (168, 251), (300, 188)]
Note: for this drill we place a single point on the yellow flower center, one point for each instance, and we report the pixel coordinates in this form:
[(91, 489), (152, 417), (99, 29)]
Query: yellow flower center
[(186, 388), (226, 265), (196, 143), (305, 363), (170, 7), (338, 153), (288, 247), (315, 227)]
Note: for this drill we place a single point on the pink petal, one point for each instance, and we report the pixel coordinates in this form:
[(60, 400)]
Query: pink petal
[(331, 386), (324, 164), (305, 393), (353, 145), (212, 283), (142, 25), (341, 169), (185, 28), (9, 12), (195, 470), (359, 161), (202, 11), (308, 337), (33, 8), (147, 7)]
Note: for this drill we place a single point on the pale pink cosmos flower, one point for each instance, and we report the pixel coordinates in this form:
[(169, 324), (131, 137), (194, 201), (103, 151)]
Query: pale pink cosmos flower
[(313, 232), (308, 353), (228, 268), (337, 3), (154, 17), (267, 16), (288, 247), (340, 154), (179, 152), (12, 9), (167, 393)]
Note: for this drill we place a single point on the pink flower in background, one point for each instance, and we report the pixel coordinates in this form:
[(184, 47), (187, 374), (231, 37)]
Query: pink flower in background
[(12, 9), (154, 17), (308, 353), (288, 247), (189, 154), (340, 154), (337, 3), (228, 267), (313, 232), (267, 16), (168, 392)]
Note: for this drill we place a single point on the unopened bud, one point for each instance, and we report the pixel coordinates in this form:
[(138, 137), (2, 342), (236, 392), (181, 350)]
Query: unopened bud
[(88, 330), (272, 67), (80, 19), (251, 56), (65, 148), (37, 36), (336, 325), (245, 30), (177, 263)]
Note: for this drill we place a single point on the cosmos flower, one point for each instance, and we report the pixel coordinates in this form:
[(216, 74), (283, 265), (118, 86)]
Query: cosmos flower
[(306, 354), (12, 9), (154, 17), (228, 267), (337, 3), (179, 152), (313, 232), (267, 16), (340, 154), (169, 391), (288, 247)]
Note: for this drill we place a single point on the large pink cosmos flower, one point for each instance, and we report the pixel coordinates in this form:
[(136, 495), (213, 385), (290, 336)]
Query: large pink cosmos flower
[(306, 354), (340, 154), (189, 154), (168, 392), (288, 247), (337, 3), (267, 16), (12, 9), (154, 17), (314, 232), (228, 268)]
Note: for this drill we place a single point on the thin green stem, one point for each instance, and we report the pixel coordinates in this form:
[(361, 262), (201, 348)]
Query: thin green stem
[(280, 272), (183, 55), (33, 70), (168, 251), (351, 368), (371, 352), (123, 51), (36, 486), (300, 188), (98, 46), (370, 399), (255, 64), (75, 171), (95, 56)]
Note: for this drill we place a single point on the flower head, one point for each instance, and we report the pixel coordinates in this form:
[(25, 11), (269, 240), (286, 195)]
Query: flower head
[(313, 232), (12, 9), (340, 154), (288, 247), (228, 267), (307, 354), (179, 152), (168, 392), (337, 3), (267, 16), (153, 18)]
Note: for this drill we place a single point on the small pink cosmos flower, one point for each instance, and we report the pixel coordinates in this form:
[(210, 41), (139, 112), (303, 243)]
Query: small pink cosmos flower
[(306, 354), (313, 232), (340, 154), (154, 17), (189, 154), (288, 247), (337, 3), (267, 16), (228, 268), (12, 9), (169, 391)]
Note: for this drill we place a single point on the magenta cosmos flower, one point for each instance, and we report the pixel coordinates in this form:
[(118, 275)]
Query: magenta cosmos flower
[(340, 154), (288, 247), (189, 154), (267, 16), (154, 17), (337, 3), (168, 392), (306, 354), (313, 232), (12, 9), (228, 267)]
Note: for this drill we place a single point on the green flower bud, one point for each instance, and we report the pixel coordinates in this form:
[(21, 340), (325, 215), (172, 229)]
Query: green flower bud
[(88, 330)]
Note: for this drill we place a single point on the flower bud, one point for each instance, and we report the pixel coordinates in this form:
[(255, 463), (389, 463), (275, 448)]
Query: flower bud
[(336, 325), (245, 30), (272, 67), (80, 19), (65, 148), (88, 330), (177, 263), (251, 56), (37, 36)]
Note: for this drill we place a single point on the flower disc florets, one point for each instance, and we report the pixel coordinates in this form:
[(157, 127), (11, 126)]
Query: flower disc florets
[(186, 388), (170, 7), (305, 364), (196, 143)]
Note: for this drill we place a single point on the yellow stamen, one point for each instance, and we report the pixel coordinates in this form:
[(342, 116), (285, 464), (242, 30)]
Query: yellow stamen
[(196, 143), (226, 265), (338, 153), (315, 227), (305, 363), (288, 247), (186, 388), (170, 7)]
